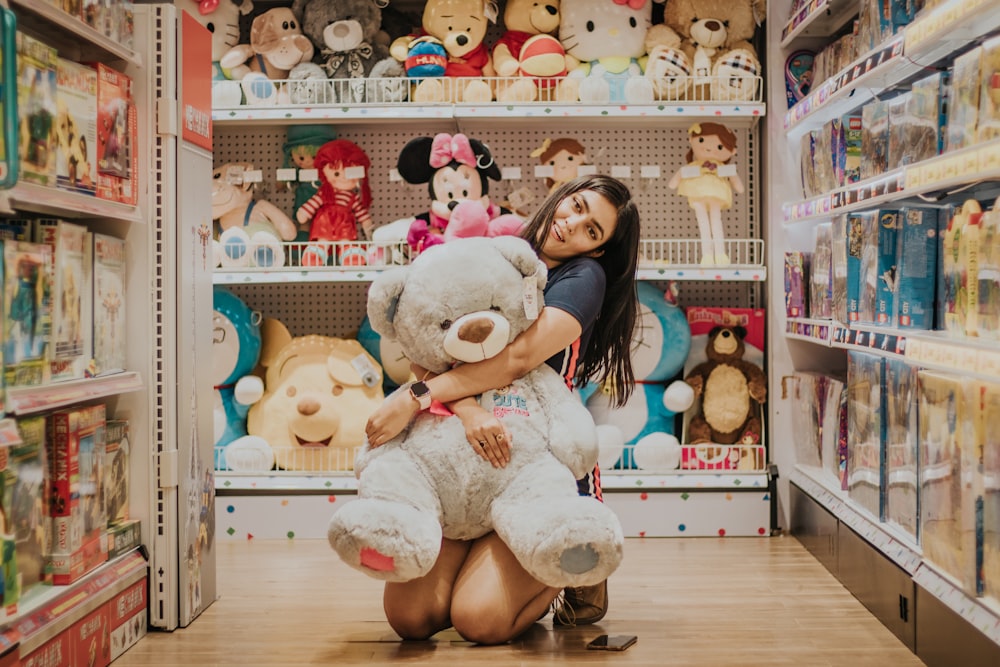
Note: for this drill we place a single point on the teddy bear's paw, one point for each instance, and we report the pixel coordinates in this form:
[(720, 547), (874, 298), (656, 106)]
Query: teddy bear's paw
[(639, 90), (595, 90), (736, 77), (657, 452), (384, 539), (267, 251), (259, 90), (516, 90), (477, 92), (430, 91), (249, 454)]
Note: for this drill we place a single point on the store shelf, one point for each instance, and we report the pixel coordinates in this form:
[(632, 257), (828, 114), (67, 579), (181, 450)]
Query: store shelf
[(47, 611), (49, 21), (938, 174), (52, 201), (810, 330), (896, 544), (819, 18), (29, 400), (982, 614)]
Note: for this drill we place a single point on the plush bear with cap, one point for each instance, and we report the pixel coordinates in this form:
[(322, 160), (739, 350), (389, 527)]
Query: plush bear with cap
[(464, 301)]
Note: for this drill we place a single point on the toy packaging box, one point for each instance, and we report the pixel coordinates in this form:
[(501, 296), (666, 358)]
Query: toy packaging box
[(76, 127), (796, 265), (36, 104), (874, 138), (833, 429), (109, 303), (926, 110), (116, 470), (864, 434), (852, 148), (76, 452), (862, 265), (27, 313), (941, 412), (897, 130), (22, 474), (9, 164), (820, 299), (963, 103), (808, 394), (900, 397), (72, 311), (807, 163), (916, 250), (989, 94), (988, 276), (116, 137), (839, 269), (990, 415), (886, 270)]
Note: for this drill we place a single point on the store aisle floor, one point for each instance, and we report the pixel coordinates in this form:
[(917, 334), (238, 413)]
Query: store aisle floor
[(700, 601)]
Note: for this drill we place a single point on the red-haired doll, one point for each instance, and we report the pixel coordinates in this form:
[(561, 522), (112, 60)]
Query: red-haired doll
[(340, 205)]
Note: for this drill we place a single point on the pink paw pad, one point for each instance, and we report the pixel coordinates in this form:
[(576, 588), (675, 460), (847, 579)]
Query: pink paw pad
[(373, 560)]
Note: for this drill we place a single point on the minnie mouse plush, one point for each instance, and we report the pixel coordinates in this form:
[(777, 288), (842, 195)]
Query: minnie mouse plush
[(457, 170)]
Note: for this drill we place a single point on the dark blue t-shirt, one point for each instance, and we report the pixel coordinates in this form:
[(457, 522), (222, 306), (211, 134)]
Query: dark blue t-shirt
[(576, 287)]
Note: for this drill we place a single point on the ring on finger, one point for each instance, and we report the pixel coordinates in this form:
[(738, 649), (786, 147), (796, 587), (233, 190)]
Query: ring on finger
[(499, 437), (482, 443)]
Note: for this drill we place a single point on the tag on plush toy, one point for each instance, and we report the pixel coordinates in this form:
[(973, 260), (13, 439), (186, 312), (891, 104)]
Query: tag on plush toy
[(354, 172), (691, 171), (490, 11), (234, 175), (369, 375), (285, 175), (726, 170), (530, 297), (308, 175)]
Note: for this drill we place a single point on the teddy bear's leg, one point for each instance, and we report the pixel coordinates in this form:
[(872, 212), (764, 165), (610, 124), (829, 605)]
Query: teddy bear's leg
[(699, 431), (477, 91), (235, 244), (521, 89), (392, 531), (560, 537)]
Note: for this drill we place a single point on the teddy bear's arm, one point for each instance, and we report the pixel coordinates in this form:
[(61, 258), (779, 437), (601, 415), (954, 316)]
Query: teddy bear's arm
[(572, 434), (696, 378), (756, 380), (282, 223)]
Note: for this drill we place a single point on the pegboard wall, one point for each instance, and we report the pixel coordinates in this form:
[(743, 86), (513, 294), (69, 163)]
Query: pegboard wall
[(336, 309)]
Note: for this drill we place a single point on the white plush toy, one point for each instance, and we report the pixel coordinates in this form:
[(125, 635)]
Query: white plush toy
[(428, 482)]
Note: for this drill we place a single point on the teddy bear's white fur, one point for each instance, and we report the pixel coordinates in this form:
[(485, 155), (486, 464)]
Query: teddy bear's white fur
[(428, 482)]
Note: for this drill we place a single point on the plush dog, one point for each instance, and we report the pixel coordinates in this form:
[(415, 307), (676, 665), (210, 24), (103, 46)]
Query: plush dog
[(461, 302)]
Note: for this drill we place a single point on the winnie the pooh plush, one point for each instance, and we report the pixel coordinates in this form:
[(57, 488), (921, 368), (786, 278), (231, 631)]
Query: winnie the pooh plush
[(529, 51), (462, 301)]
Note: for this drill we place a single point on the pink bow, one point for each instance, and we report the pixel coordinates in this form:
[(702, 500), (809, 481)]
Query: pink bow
[(634, 4), (446, 148)]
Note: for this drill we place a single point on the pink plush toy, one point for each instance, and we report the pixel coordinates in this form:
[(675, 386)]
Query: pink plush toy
[(457, 170), (340, 206)]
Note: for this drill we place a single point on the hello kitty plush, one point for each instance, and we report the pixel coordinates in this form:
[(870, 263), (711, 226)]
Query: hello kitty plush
[(222, 19), (608, 40)]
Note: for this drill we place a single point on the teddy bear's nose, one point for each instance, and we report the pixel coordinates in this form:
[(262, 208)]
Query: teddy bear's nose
[(452, 204), (341, 30), (713, 25), (308, 406), (551, 9), (462, 40), (475, 331)]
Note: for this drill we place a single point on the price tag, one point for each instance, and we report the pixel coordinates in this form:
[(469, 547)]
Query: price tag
[(394, 176), (309, 175), (947, 355), (970, 163), (366, 369), (968, 359), (234, 175), (354, 172), (989, 157), (253, 176), (690, 172), (530, 297), (621, 171), (510, 174), (285, 175), (913, 350), (726, 170), (586, 170), (649, 171), (544, 171)]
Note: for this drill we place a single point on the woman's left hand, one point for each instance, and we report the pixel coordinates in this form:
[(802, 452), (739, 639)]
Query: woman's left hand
[(390, 418)]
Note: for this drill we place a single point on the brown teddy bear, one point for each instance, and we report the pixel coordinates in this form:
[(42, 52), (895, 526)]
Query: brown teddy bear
[(714, 47), (730, 389)]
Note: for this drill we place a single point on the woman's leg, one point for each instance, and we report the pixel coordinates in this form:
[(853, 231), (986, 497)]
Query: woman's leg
[(419, 608), (495, 599)]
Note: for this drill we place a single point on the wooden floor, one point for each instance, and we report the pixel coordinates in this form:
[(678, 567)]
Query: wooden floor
[(702, 601)]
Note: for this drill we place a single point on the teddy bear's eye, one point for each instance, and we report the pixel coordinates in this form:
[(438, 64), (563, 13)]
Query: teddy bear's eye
[(337, 390), (290, 392), (445, 325), (632, 22), (495, 309), (284, 25), (465, 194), (590, 26), (725, 23), (216, 176), (694, 19)]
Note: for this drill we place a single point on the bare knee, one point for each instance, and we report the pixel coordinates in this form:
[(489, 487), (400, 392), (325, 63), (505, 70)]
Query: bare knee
[(482, 622), (415, 621)]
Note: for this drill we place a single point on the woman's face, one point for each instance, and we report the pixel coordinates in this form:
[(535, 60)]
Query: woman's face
[(584, 221)]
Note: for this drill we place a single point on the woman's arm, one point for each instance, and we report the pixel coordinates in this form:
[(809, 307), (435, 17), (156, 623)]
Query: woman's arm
[(554, 330)]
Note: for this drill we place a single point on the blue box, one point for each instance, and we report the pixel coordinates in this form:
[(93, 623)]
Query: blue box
[(862, 262), (885, 293), (917, 268)]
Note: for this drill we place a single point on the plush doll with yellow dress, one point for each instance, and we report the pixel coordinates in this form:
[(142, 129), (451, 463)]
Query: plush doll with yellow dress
[(708, 180)]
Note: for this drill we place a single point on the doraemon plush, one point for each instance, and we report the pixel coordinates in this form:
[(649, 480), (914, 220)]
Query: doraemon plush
[(660, 347), (464, 301), (236, 345)]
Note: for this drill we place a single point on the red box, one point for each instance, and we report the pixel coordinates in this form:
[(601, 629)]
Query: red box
[(90, 639), (65, 568), (53, 653), (76, 447), (117, 164), (127, 613)]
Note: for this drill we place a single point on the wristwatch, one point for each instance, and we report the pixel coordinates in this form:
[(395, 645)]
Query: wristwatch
[(421, 393)]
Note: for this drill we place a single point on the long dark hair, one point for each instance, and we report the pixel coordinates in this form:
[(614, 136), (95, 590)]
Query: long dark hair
[(607, 357)]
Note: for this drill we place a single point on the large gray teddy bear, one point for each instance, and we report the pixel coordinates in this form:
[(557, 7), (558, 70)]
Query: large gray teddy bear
[(462, 301)]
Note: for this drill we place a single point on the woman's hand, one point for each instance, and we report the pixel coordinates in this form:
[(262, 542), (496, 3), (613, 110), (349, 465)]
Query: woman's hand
[(486, 434), (390, 418)]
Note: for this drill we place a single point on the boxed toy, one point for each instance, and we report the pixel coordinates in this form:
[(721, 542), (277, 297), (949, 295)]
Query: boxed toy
[(807, 163), (852, 148), (109, 303), (885, 269), (76, 450), (963, 103), (893, 15), (27, 313), (821, 273), (9, 164), (36, 104), (864, 430), (833, 431), (862, 264), (916, 252), (76, 127), (874, 138), (900, 399), (72, 311), (839, 269), (926, 112), (941, 414), (795, 291), (123, 537), (991, 492), (959, 260), (116, 470), (988, 273), (116, 137), (989, 95)]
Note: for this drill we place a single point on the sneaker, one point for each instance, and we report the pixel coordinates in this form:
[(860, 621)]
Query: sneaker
[(581, 605)]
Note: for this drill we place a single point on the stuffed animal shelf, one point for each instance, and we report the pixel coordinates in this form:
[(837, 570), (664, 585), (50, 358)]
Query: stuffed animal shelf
[(276, 46), (457, 170), (236, 345), (708, 180), (427, 482), (318, 393), (251, 230)]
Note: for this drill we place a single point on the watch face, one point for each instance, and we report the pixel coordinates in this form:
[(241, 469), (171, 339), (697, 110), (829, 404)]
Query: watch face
[(420, 389)]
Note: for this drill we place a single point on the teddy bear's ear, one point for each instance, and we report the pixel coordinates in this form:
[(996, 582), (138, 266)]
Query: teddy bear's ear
[(413, 163), (299, 7), (383, 297), (484, 160), (273, 337), (740, 331), (519, 253)]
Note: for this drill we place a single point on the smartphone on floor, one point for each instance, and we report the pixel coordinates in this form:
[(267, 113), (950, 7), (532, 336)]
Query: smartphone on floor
[(612, 642)]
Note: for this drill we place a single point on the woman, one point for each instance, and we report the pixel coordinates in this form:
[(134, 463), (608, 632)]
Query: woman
[(587, 234)]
